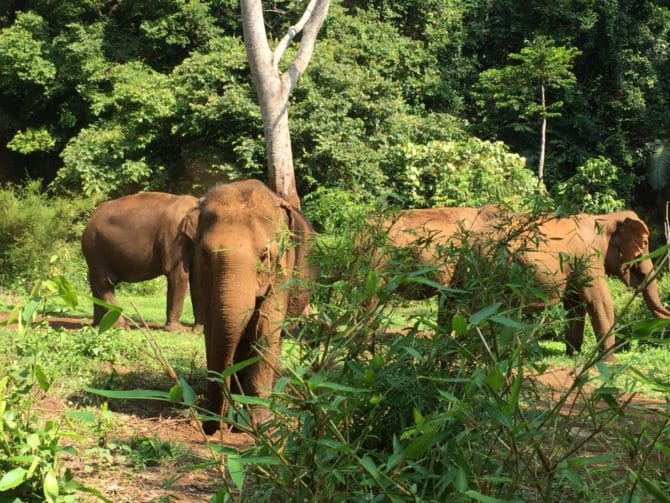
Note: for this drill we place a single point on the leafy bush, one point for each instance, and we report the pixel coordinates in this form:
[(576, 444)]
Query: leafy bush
[(598, 187), (448, 411), (470, 172), (29, 467), (35, 231)]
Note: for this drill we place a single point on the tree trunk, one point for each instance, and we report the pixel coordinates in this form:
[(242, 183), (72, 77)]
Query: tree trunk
[(543, 139), (273, 89)]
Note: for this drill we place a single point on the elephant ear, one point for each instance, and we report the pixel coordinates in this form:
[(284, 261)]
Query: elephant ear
[(633, 238), (189, 224), (301, 231)]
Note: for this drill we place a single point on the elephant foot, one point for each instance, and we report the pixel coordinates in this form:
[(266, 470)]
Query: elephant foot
[(198, 327), (174, 326)]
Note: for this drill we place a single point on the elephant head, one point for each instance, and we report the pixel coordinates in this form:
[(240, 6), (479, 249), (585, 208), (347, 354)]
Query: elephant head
[(250, 260), (628, 242)]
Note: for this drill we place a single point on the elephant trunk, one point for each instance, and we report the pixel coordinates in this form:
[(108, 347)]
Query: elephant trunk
[(650, 292), (231, 306)]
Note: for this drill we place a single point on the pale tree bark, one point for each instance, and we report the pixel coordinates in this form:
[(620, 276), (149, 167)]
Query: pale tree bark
[(543, 135), (274, 89)]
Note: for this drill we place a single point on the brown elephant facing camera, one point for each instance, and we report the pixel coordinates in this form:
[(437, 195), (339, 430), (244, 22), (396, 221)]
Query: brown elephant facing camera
[(571, 256), (251, 266), (136, 238)]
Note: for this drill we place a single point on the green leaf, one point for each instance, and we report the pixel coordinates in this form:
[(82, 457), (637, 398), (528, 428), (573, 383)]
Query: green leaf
[(459, 325), (419, 445), (482, 497), (67, 292), (30, 308), (654, 490), (146, 394), (41, 378), (370, 466), (371, 283), (227, 372), (109, 319), (250, 400), (580, 462), (461, 480), (484, 314), (236, 470), (175, 393), (12, 479), (83, 415), (495, 379), (188, 395), (507, 322), (50, 486)]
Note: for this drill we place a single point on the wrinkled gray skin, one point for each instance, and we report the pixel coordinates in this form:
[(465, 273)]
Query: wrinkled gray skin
[(251, 265), (136, 238)]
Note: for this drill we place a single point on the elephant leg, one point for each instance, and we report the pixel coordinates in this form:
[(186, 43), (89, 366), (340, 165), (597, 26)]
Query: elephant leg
[(196, 302), (176, 292), (102, 287), (263, 338), (219, 357), (574, 332), (601, 311)]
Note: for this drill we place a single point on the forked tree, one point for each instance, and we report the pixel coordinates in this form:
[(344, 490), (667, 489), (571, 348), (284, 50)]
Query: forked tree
[(274, 88)]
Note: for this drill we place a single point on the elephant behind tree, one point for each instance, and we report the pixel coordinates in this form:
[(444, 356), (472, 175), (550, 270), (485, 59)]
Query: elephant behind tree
[(136, 238), (251, 268), (570, 258)]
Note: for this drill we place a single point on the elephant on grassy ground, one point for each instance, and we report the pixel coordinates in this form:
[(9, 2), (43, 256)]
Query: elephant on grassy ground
[(136, 238), (252, 270), (570, 258), (432, 237)]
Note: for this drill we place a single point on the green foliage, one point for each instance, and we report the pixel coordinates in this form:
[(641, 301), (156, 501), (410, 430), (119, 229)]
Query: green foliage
[(443, 412), (335, 210), (598, 187), (24, 60), (36, 231), (462, 173), (28, 467), (29, 447)]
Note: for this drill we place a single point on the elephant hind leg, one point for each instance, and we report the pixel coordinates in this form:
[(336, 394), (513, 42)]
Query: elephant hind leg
[(102, 287), (574, 331)]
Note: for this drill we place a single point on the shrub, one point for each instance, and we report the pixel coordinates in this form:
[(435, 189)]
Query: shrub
[(599, 186), (470, 172), (36, 231), (448, 411)]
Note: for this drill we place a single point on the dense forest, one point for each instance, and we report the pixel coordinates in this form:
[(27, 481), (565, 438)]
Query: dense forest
[(411, 97), (435, 355)]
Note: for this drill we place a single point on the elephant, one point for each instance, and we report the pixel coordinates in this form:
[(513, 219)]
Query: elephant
[(428, 235), (251, 263), (570, 257), (136, 238)]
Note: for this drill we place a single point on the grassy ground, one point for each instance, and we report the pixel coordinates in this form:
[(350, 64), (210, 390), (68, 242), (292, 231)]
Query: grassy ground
[(130, 450)]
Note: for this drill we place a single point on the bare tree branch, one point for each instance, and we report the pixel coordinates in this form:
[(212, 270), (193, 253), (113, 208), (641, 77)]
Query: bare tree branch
[(292, 32), (311, 30)]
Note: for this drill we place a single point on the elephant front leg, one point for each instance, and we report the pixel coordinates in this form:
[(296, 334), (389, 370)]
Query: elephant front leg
[(176, 292), (262, 338), (601, 311)]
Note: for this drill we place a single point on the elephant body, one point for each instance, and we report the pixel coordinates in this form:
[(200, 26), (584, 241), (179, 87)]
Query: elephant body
[(136, 238), (251, 266), (571, 256), (429, 235)]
